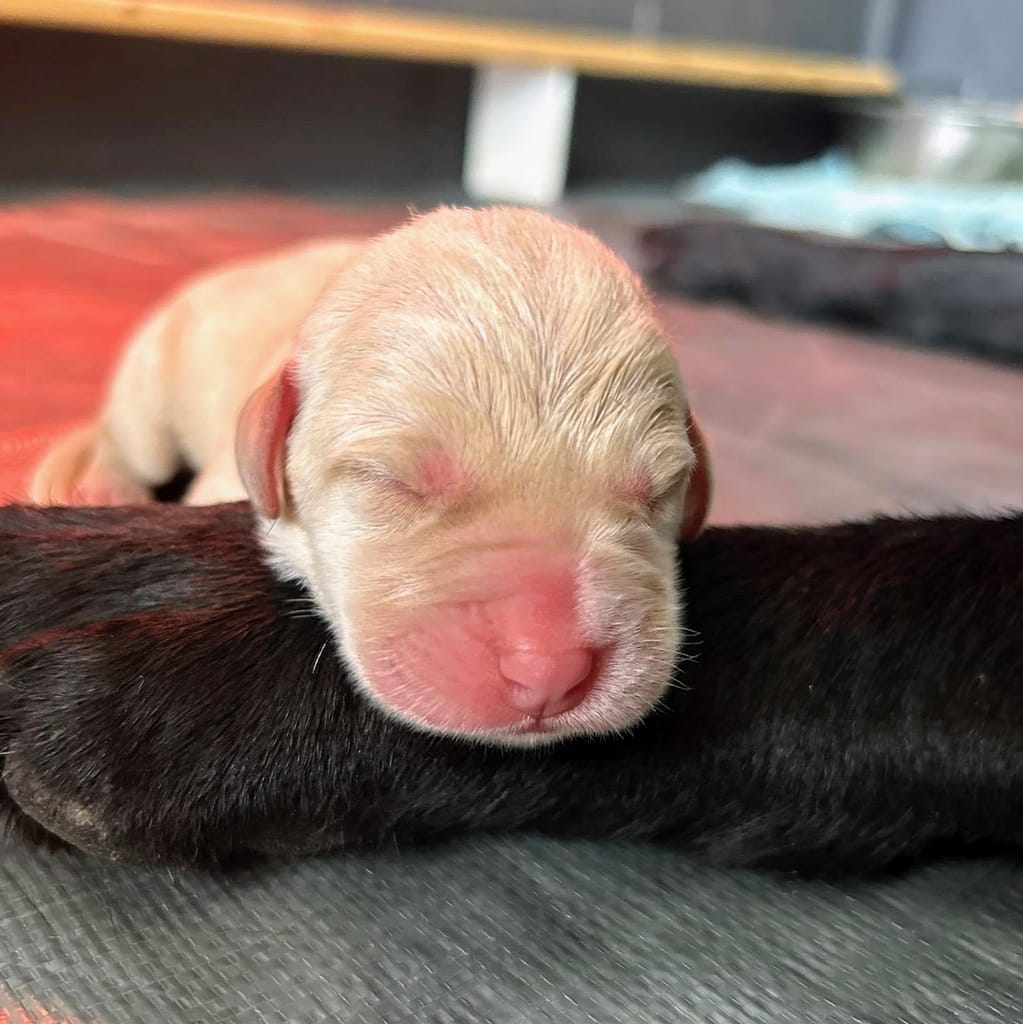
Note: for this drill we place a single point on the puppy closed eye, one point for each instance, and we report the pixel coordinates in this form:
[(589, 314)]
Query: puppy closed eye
[(376, 481), (648, 496), (428, 480)]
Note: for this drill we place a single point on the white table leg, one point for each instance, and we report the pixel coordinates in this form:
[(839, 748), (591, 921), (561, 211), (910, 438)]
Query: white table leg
[(518, 134)]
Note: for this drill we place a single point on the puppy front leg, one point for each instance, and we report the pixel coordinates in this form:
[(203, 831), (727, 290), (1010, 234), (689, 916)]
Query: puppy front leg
[(218, 481)]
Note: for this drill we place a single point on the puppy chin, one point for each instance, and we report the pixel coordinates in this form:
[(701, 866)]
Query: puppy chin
[(526, 734), (533, 735)]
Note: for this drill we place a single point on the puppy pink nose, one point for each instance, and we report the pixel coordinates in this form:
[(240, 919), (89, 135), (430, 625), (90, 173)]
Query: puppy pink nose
[(546, 683)]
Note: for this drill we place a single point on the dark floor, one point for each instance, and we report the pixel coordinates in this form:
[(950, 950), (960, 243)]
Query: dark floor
[(807, 424)]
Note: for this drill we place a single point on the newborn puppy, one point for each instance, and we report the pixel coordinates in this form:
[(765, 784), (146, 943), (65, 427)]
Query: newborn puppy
[(469, 440)]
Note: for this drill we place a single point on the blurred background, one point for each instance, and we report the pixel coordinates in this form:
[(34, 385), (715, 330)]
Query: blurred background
[(827, 196)]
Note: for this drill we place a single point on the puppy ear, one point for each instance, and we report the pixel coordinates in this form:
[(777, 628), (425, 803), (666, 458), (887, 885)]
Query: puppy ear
[(701, 484), (260, 438)]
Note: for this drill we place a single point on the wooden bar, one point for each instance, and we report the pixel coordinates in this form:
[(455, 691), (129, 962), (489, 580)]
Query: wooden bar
[(442, 39)]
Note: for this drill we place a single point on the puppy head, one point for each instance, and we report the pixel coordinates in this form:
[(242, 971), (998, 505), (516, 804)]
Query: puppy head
[(489, 458)]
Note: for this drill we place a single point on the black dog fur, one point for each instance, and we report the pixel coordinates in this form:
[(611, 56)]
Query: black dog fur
[(932, 296), (851, 696)]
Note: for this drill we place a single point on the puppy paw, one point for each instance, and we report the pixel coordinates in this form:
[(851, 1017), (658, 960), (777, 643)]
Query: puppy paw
[(79, 471)]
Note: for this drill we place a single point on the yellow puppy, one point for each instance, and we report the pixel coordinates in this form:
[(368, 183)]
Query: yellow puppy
[(467, 437)]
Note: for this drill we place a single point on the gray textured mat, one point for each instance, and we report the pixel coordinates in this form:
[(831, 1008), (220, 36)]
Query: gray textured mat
[(502, 931)]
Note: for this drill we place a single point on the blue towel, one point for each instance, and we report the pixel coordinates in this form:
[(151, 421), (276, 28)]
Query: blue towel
[(830, 195)]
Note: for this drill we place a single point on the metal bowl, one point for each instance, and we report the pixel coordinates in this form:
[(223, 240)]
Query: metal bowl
[(939, 141)]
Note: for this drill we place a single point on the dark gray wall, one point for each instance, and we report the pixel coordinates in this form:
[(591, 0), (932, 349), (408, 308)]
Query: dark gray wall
[(946, 47), (814, 25), (92, 109), (89, 110), (967, 48)]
